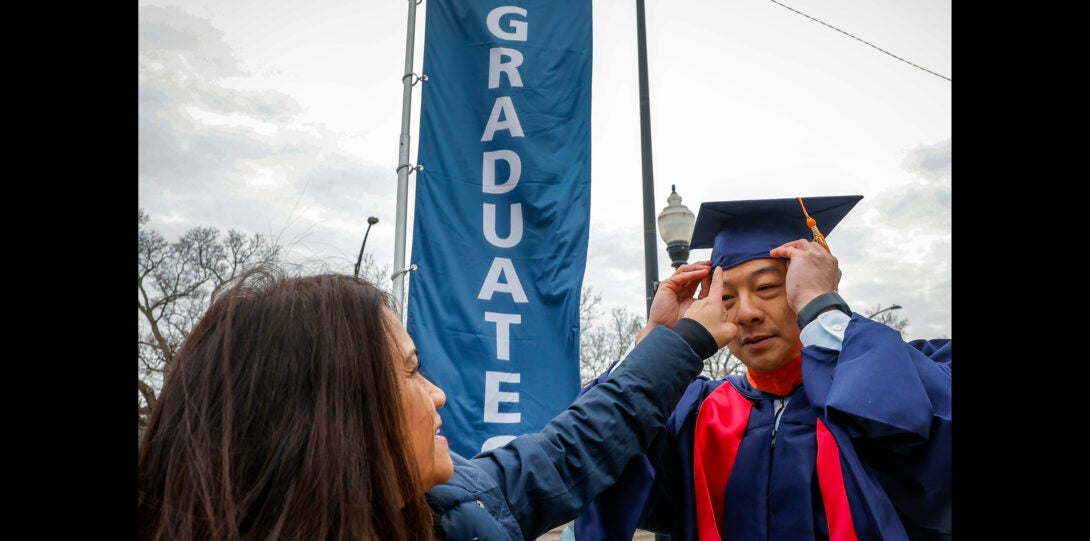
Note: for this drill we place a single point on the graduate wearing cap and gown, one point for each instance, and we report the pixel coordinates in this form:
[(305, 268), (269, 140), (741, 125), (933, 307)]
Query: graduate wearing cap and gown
[(840, 431)]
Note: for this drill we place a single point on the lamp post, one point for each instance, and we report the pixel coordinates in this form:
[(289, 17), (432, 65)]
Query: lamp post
[(371, 220), (676, 228), (893, 307), (651, 262)]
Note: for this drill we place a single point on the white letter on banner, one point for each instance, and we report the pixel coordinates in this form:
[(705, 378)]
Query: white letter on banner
[(495, 441), (510, 120), (493, 396), (490, 226), (503, 332), (496, 66), (519, 27), (488, 171), (502, 265)]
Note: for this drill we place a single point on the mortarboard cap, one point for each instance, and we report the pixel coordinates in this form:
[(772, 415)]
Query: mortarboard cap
[(738, 231)]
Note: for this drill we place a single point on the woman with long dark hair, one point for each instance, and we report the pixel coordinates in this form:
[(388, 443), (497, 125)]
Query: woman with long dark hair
[(296, 410)]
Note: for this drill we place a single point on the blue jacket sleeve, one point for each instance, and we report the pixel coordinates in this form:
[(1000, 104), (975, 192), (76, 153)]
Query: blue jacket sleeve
[(551, 476)]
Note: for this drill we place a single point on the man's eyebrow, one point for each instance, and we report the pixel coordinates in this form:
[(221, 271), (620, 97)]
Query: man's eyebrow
[(756, 273), (765, 270)]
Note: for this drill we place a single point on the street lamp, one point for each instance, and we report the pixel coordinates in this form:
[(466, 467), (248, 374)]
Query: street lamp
[(676, 228), (370, 221), (894, 307)]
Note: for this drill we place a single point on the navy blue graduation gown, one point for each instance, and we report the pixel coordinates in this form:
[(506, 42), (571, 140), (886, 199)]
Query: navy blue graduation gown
[(860, 451)]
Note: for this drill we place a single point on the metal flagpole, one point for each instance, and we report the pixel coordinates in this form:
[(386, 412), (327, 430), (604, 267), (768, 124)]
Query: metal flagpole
[(403, 166)]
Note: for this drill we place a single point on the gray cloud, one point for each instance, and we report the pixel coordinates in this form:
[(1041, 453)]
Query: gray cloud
[(207, 151), (902, 237), (929, 161), (170, 36)]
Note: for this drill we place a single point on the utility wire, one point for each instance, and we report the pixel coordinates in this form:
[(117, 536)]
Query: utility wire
[(864, 41)]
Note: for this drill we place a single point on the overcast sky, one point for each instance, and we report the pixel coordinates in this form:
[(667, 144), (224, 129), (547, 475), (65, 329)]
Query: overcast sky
[(282, 117)]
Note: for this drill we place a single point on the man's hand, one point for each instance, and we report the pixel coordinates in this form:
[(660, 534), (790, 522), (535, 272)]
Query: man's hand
[(811, 271), (674, 296)]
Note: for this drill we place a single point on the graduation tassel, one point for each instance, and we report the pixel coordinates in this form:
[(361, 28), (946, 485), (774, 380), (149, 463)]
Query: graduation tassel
[(812, 224)]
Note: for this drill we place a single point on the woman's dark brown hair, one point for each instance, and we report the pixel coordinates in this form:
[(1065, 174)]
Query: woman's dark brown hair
[(281, 419)]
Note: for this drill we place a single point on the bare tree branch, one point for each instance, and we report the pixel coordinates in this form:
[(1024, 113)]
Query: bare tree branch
[(176, 283)]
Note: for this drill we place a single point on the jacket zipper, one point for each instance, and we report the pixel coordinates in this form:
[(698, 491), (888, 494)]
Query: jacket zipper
[(780, 405)]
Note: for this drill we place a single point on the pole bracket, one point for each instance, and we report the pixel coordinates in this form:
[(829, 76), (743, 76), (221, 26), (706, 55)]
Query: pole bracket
[(416, 78), (410, 268)]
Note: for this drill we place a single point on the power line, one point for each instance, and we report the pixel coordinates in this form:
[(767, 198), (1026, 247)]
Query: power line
[(864, 41)]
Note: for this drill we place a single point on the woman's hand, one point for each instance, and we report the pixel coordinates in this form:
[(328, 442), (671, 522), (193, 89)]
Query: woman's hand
[(675, 295)]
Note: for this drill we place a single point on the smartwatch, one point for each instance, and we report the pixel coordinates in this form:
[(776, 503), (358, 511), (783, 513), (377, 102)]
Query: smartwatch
[(818, 305)]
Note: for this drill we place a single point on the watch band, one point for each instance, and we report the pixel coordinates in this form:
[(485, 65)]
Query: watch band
[(818, 305)]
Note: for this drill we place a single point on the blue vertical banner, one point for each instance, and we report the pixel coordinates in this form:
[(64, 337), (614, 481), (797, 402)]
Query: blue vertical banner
[(502, 212)]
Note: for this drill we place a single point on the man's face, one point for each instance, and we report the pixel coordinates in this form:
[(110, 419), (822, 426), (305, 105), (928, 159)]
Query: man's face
[(755, 295)]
